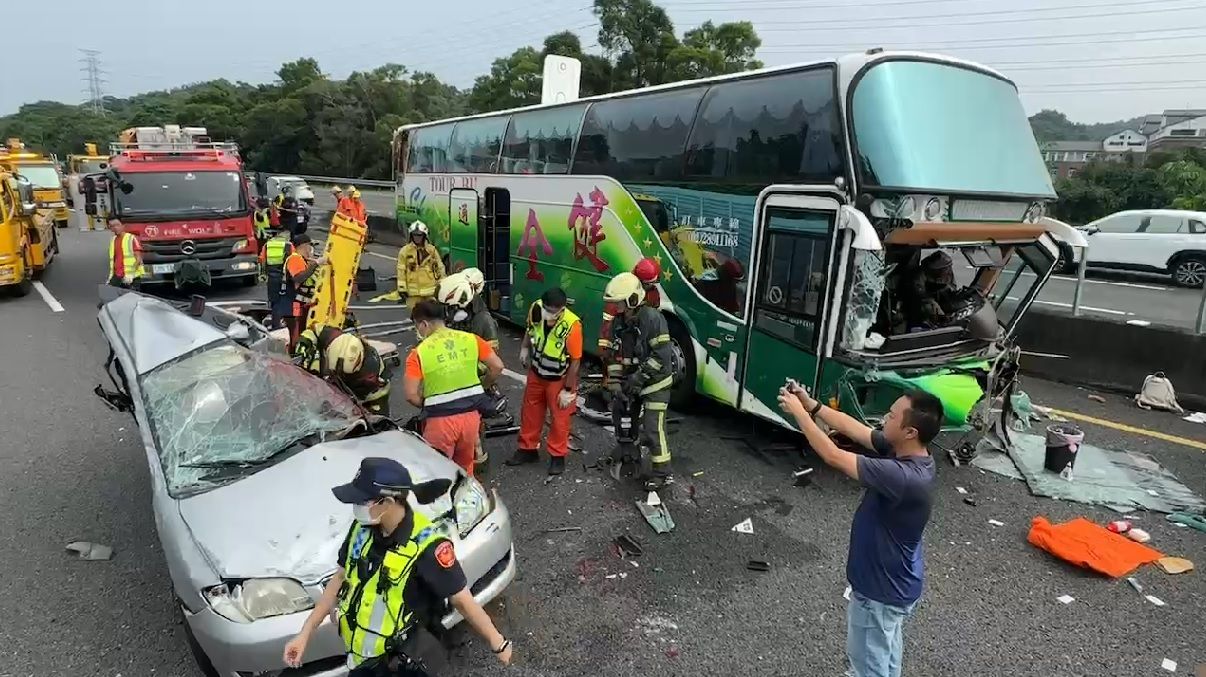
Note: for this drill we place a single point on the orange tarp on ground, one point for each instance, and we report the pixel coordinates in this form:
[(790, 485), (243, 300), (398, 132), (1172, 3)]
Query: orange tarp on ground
[(1091, 546)]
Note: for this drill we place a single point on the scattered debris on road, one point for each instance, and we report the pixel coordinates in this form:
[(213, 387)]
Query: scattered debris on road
[(745, 527), (90, 551), (1196, 417), (1187, 520), (1155, 600), (1090, 546), (1169, 664), (961, 490), (1097, 398), (562, 530), (657, 516), (628, 546), (1134, 583), (1138, 535), (846, 594), (1158, 393), (803, 476), (1066, 599), (996, 523), (1174, 565), (757, 565)]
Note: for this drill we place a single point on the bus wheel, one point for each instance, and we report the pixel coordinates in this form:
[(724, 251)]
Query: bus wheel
[(680, 342)]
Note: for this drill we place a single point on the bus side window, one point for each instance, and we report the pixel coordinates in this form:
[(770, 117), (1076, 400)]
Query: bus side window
[(475, 145), (429, 149), (638, 138), (541, 141)]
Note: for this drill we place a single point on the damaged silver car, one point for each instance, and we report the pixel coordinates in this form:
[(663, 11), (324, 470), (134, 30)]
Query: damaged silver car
[(243, 449)]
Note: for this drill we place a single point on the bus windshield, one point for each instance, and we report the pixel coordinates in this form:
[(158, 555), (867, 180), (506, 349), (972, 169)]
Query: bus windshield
[(192, 194), (41, 176), (940, 128)]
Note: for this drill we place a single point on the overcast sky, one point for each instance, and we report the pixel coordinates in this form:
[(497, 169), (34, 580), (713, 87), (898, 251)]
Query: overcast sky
[(1092, 59)]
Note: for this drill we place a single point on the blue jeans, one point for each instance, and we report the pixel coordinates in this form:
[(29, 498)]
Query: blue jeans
[(875, 636)]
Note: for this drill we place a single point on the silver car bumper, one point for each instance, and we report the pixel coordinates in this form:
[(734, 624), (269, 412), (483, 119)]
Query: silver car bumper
[(255, 649)]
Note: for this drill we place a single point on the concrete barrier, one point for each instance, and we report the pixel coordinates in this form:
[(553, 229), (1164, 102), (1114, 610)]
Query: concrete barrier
[(1113, 355)]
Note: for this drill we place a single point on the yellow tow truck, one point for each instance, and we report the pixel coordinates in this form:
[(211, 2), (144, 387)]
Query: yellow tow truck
[(28, 240), (43, 172), (90, 162)]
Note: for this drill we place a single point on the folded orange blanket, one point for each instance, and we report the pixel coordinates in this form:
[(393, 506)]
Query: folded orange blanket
[(1091, 546)]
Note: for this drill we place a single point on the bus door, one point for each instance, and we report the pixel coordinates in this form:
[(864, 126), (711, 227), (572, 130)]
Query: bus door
[(494, 249), (791, 300), (463, 229)]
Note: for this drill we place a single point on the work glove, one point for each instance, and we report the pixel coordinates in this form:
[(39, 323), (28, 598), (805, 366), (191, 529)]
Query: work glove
[(632, 386), (402, 296), (564, 398), (525, 356), (127, 279)]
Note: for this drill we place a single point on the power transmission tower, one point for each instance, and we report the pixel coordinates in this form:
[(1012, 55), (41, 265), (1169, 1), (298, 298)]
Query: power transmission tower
[(96, 94)]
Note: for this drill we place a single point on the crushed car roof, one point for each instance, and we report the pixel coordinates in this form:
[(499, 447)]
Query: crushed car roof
[(155, 332)]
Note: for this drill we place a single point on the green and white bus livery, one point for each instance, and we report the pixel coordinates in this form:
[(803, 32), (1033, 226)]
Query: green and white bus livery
[(794, 210)]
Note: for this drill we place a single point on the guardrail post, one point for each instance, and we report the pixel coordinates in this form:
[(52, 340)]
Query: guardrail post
[(1201, 324), (1080, 280)]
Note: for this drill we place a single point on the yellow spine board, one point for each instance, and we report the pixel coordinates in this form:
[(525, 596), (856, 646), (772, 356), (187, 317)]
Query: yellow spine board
[(333, 291)]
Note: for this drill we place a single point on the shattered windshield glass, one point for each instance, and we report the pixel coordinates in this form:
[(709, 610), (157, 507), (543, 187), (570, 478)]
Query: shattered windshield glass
[(219, 414)]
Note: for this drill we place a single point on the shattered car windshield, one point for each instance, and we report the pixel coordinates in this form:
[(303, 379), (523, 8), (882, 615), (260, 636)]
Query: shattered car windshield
[(220, 413)]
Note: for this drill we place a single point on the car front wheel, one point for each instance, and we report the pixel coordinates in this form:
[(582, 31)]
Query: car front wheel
[(1190, 271)]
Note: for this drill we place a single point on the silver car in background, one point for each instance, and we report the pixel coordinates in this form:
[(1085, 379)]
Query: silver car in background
[(243, 448)]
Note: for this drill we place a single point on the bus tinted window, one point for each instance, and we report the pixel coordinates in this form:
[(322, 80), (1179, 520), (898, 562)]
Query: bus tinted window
[(639, 137), (782, 127), (541, 141), (429, 149), (475, 144)]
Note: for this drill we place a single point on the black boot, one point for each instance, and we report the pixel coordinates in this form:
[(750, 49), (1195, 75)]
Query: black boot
[(659, 478), (523, 457), (556, 465)]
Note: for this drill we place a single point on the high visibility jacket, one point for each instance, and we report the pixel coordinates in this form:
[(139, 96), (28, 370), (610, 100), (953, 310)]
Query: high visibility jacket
[(372, 612), (262, 223), (344, 205), (367, 384), (450, 382), (419, 269), (641, 346), (302, 292), (549, 356), (129, 259), (356, 211)]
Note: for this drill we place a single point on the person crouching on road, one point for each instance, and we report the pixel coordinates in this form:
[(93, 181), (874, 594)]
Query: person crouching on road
[(884, 565), (420, 267), (299, 282), (442, 380), (331, 353), (395, 572), (125, 257), (552, 353)]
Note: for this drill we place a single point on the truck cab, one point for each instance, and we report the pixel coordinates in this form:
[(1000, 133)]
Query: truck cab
[(42, 171), (90, 162), (186, 199), (28, 241)]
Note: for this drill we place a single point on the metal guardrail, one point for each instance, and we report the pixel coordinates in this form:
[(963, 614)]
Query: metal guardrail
[(339, 180)]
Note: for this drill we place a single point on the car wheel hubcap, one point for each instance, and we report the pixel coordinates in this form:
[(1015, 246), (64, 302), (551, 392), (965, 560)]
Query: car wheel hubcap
[(1191, 273)]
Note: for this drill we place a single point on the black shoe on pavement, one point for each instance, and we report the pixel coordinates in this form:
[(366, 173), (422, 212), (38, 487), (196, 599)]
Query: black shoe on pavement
[(522, 457), (556, 465), (658, 482)]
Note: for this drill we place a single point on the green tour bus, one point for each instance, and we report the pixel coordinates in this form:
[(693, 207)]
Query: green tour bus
[(796, 212)]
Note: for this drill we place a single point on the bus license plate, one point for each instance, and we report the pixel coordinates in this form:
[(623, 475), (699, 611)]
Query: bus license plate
[(163, 268)]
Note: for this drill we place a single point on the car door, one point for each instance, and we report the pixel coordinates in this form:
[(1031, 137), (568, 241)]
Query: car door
[(1160, 236), (1108, 239)]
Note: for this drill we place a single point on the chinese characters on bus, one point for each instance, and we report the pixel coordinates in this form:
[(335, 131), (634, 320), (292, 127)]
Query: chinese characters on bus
[(585, 222)]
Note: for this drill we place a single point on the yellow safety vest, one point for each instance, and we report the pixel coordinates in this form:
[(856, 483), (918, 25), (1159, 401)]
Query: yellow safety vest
[(129, 260), (261, 223), (449, 361), (276, 251), (371, 608), (549, 358)]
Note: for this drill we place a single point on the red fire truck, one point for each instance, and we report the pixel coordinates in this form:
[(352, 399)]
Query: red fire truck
[(186, 198)]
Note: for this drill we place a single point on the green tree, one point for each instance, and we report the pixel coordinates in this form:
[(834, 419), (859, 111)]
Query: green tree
[(513, 81), (1186, 180), (640, 37)]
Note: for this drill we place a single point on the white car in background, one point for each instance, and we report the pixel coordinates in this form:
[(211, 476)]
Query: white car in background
[(301, 190), (1165, 241)]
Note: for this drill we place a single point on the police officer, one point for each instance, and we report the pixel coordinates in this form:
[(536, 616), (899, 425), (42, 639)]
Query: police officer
[(640, 373), (273, 255), (332, 353), (263, 222), (420, 267), (552, 352), (395, 570), (456, 293)]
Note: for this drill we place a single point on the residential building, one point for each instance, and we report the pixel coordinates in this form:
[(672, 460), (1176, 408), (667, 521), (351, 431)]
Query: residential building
[(1184, 132)]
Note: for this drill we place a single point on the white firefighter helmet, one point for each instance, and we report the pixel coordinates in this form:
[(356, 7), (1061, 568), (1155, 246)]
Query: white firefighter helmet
[(475, 278), (345, 354), (625, 288), (455, 291), (418, 228)]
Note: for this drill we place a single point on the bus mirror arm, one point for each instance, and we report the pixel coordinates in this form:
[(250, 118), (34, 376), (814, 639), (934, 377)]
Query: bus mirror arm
[(862, 232)]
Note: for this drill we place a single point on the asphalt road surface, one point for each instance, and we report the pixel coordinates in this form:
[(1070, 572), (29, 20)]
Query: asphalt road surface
[(70, 469)]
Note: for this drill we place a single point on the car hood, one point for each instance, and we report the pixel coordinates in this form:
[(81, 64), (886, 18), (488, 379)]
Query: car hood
[(284, 521)]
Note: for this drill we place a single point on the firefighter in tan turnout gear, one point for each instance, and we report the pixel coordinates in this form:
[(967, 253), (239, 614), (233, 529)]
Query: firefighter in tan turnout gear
[(641, 369), (420, 267)]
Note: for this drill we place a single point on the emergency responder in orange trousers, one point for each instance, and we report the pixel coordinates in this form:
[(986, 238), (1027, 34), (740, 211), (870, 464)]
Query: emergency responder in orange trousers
[(641, 370), (552, 353), (442, 379), (298, 291), (125, 257)]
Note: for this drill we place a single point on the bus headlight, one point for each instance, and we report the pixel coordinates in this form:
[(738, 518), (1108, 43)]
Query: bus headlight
[(933, 210), (258, 598)]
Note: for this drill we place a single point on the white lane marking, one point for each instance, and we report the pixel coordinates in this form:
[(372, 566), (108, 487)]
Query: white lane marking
[(514, 375), (48, 297), (383, 256), (1069, 305)]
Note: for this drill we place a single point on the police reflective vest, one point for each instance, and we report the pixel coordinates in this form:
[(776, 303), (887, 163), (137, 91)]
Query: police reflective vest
[(373, 617), (262, 222), (549, 358), (275, 252), (450, 382), (129, 261)]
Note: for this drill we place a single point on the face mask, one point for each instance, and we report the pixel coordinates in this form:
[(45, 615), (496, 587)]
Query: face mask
[(460, 316), (364, 515), (550, 316)]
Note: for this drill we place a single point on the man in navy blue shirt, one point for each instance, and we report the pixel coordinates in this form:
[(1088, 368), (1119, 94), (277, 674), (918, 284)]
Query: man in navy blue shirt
[(884, 563)]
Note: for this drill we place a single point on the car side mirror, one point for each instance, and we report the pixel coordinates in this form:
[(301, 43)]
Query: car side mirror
[(1092, 230), (28, 208)]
